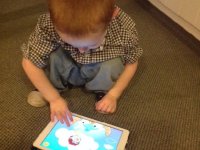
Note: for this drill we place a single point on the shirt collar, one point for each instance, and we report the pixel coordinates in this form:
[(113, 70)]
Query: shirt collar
[(113, 33)]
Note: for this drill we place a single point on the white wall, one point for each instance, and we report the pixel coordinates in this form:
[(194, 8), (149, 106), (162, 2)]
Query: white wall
[(184, 12)]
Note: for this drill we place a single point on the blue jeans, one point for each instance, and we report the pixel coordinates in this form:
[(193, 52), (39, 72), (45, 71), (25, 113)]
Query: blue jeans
[(95, 77)]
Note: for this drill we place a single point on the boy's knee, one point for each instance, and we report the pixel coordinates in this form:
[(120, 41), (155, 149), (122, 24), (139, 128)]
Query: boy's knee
[(114, 65), (113, 68), (60, 57), (55, 55)]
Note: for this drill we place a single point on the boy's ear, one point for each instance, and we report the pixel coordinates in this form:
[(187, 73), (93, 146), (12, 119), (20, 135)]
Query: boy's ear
[(115, 12)]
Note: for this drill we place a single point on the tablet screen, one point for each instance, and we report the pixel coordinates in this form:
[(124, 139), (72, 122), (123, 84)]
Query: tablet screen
[(83, 134)]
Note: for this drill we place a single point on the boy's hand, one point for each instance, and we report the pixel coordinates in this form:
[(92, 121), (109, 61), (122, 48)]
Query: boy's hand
[(59, 109), (107, 104)]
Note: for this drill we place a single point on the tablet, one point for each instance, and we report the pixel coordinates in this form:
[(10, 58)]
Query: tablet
[(83, 134)]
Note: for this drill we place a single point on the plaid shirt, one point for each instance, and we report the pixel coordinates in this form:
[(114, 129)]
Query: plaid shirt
[(120, 41)]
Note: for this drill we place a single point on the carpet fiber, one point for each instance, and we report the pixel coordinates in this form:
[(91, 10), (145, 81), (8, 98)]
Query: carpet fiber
[(161, 106)]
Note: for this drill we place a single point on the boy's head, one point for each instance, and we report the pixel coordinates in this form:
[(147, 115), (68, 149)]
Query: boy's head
[(81, 23)]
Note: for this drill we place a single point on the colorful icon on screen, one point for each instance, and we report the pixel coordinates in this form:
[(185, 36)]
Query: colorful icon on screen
[(74, 140), (46, 144)]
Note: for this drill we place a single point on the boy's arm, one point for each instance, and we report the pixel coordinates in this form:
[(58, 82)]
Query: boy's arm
[(123, 80), (109, 101), (58, 106)]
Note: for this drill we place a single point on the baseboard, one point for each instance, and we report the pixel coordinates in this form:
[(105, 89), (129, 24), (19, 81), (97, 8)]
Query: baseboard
[(177, 30)]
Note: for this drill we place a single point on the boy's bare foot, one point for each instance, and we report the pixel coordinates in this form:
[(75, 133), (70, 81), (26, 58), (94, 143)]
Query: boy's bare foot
[(35, 99)]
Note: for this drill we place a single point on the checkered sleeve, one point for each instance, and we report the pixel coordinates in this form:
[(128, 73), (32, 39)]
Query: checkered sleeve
[(40, 44), (133, 51)]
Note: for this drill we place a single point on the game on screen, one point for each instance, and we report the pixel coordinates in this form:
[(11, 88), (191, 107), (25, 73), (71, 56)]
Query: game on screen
[(82, 134)]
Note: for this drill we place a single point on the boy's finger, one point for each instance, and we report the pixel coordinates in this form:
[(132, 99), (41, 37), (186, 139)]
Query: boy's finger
[(52, 117), (100, 106), (59, 117), (102, 112), (67, 122), (69, 115), (66, 119)]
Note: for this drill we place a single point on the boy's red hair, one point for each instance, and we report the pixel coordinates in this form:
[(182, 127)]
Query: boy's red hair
[(81, 17)]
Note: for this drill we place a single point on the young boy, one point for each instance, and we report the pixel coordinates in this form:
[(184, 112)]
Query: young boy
[(90, 43)]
